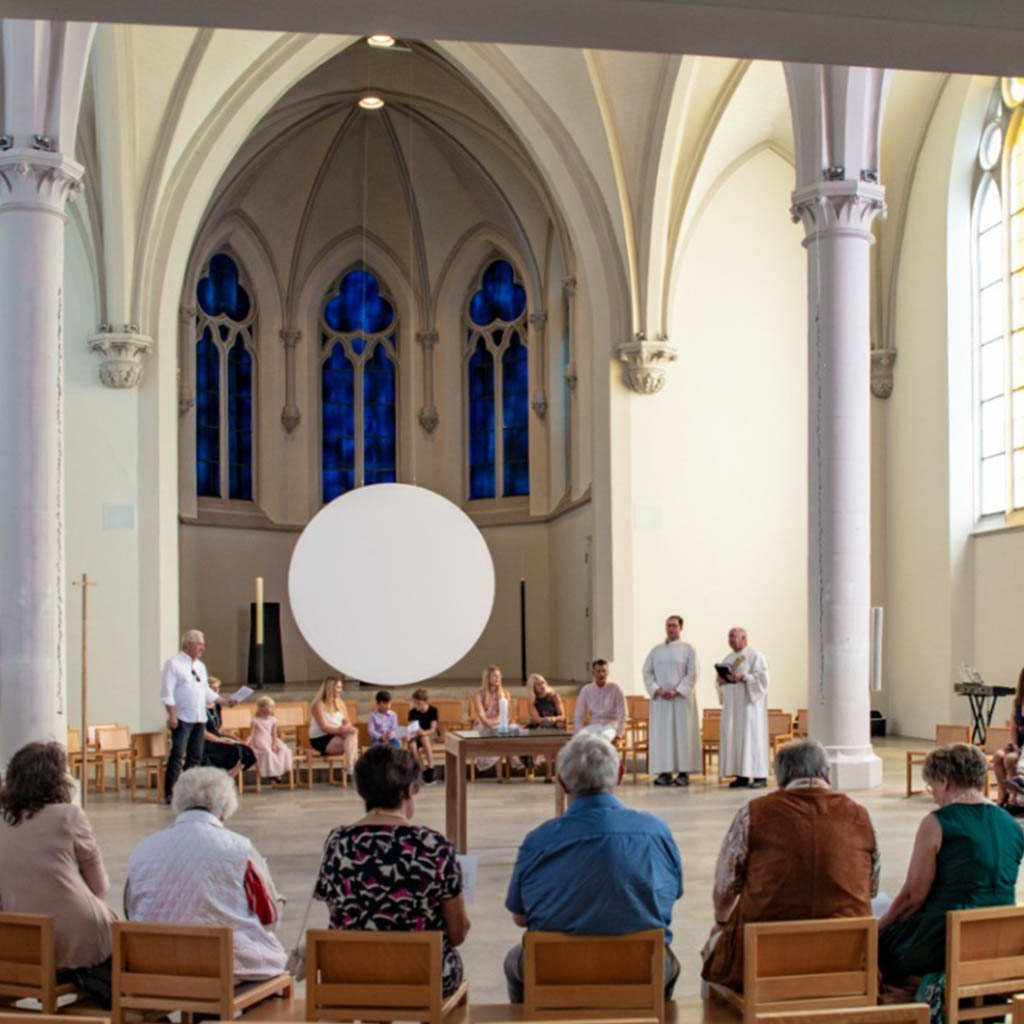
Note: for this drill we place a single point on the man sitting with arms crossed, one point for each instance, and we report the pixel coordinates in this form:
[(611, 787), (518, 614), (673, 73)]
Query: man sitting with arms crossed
[(633, 871), (605, 704)]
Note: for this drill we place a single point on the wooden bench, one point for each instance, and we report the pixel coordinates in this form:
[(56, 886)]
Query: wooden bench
[(902, 1013), (190, 968), (984, 958), (791, 966), (943, 734), (377, 976), (610, 973), (28, 963)]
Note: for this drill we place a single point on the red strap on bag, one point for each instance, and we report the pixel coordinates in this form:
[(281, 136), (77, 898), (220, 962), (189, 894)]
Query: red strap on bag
[(257, 896)]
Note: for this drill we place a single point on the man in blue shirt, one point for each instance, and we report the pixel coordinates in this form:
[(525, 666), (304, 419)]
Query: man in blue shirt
[(601, 869)]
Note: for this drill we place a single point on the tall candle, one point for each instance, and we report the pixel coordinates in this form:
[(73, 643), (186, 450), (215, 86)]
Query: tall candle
[(503, 713), (876, 649), (259, 609)]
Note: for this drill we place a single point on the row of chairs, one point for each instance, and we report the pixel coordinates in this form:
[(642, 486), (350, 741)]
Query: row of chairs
[(996, 739), (793, 970)]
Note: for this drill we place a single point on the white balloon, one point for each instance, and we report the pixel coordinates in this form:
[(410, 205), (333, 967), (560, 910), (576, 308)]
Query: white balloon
[(391, 584)]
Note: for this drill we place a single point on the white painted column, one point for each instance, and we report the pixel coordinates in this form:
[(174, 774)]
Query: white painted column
[(43, 65), (837, 116)]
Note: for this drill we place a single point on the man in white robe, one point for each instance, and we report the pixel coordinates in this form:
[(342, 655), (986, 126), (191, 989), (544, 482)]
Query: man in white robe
[(743, 750), (670, 674)]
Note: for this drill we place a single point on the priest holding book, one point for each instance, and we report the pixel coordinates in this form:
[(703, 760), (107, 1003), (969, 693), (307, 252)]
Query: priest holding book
[(742, 681)]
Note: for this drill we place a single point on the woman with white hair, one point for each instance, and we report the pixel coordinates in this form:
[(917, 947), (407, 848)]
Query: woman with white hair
[(197, 872)]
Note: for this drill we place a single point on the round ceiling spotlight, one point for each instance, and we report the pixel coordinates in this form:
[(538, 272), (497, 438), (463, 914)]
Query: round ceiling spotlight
[(371, 102), (381, 41)]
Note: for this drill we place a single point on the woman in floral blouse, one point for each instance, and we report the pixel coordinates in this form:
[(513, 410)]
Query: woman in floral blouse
[(383, 873)]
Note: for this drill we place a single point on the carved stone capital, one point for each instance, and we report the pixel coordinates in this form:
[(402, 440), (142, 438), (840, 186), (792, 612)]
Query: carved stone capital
[(428, 339), (568, 287), (291, 417), (882, 362), (35, 179), (838, 208), (122, 351), (290, 336), (185, 397), (538, 320), (645, 362), (571, 378), (539, 403), (429, 418), (186, 316)]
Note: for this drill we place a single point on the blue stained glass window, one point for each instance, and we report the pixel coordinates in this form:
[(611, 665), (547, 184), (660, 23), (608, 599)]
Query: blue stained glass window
[(499, 297), (239, 422), (358, 305), (338, 457), (220, 293), (207, 417), (515, 417), (481, 422), (379, 464)]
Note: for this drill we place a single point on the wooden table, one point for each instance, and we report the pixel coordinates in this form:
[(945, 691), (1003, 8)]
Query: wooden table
[(461, 745)]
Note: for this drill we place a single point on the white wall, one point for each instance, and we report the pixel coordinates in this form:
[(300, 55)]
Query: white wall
[(719, 457)]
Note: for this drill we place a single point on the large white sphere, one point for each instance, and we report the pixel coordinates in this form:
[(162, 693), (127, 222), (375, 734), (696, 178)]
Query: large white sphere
[(391, 584)]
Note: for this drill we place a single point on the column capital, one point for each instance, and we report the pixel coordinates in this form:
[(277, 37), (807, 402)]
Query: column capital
[(429, 418), (838, 208), (882, 362), (36, 179), (538, 320), (290, 336), (646, 362), (571, 376), (186, 315), (569, 286), (428, 339), (122, 348)]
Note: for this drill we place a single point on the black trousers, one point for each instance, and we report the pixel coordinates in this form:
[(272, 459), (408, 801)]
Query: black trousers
[(187, 743)]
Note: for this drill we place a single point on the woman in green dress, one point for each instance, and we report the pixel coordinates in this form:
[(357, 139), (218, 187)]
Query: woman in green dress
[(966, 854)]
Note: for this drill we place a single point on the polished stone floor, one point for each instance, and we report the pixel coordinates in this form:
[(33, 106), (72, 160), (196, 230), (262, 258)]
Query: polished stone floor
[(289, 829)]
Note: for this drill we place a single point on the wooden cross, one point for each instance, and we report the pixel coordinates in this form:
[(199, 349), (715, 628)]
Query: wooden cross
[(85, 583)]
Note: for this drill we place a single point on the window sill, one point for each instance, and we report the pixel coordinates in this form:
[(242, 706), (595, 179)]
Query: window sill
[(998, 524), (238, 514)]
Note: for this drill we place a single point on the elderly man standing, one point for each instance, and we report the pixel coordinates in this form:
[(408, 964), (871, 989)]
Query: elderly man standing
[(743, 693), (185, 692), (603, 702), (670, 674), (633, 874), (803, 851)]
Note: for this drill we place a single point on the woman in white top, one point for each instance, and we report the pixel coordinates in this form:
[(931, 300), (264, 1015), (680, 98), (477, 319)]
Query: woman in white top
[(329, 731)]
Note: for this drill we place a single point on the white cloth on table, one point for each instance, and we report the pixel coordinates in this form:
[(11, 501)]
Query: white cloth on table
[(743, 740), (674, 729), (185, 686)]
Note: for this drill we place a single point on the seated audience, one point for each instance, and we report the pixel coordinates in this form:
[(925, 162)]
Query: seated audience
[(966, 854), (546, 707), (1004, 762), (383, 723), (220, 750), (197, 872), (424, 714), (383, 873), (601, 869), (803, 851), (486, 705), (604, 703), (330, 733), (273, 754), (51, 864)]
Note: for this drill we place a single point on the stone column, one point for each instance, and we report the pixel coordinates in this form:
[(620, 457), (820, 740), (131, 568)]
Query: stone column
[(538, 330), (428, 415), (291, 415), (837, 118)]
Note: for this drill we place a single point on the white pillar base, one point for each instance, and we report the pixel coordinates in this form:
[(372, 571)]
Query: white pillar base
[(854, 767)]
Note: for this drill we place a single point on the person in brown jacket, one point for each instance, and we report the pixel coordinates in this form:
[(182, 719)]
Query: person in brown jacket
[(803, 851)]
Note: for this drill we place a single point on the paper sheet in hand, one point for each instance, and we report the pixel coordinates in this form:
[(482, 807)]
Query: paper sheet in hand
[(242, 693), (469, 863), (406, 732)]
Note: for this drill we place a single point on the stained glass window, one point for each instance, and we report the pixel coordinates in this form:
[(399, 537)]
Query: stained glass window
[(359, 350), (225, 382), (498, 385)]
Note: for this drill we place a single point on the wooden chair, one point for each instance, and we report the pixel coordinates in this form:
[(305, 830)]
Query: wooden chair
[(780, 730), (594, 972), (943, 734), (801, 725), (351, 711), (1017, 1016), (43, 1018), (569, 703), (90, 732), (378, 976), (149, 755), (638, 744), (81, 763), (237, 720), (791, 966), (310, 758), (113, 746), (190, 968), (710, 738), (984, 958), (290, 714), (902, 1013), (28, 963), (401, 709), (996, 737), (522, 715)]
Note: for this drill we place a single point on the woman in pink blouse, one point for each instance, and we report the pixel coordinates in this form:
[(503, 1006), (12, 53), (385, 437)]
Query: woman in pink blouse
[(51, 864)]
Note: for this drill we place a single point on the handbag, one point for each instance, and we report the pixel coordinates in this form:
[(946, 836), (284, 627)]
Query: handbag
[(296, 965)]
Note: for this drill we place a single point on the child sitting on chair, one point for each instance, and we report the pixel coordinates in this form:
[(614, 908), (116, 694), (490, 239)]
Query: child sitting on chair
[(425, 715), (383, 723), (272, 754)]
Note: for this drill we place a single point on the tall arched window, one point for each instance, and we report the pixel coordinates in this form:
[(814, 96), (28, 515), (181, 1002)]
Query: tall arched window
[(225, 382), (358, 385), (498, 392)]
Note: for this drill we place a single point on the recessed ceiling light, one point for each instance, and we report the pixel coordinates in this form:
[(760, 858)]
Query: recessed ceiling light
[(380, 40), (371, 102)]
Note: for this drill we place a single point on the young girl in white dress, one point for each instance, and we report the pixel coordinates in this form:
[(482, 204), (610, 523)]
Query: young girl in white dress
[(272, 753)]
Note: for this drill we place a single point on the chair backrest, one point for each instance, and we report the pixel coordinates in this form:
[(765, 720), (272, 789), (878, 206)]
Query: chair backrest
[(291, 713), (90, 731), (802, 722), (984, 947), (401, 708), (712, 713), (900, 1013), (302, 737), (237, 718), (172, 967), (28, 964), (150, 744), (114, 737), (351, 711), (382, 971), (638, 707), (584, 972), (710, 728), (74, 741), (522, 709), (819, 964), (996, 737), (780, 723), (569, 703), (449, 712), (952, 734), (363, 729)]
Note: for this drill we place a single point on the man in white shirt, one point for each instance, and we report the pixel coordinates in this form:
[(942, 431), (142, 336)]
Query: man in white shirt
[(744, 736), (185, 691), (602, 705)]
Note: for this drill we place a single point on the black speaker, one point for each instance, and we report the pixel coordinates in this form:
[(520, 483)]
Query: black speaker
[(273, 655)]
